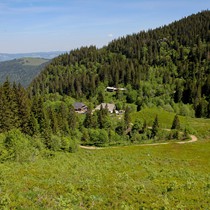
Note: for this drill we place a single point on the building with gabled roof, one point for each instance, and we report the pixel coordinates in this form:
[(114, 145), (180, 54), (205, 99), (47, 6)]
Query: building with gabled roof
[(110, 107), (79, 107)]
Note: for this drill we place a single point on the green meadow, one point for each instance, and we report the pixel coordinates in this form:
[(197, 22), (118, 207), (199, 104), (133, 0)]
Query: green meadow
[(197, 126), (169, 176)]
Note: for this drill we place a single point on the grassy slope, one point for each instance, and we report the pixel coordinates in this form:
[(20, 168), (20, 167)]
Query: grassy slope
[(166, 176), (199, 127), (33, 61)]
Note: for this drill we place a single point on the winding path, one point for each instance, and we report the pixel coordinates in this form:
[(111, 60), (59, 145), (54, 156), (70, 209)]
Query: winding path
[(193, 139)]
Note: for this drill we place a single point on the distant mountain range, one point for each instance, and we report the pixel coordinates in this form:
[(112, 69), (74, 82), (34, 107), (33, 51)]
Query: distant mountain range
[(21, 70), (46, 55)]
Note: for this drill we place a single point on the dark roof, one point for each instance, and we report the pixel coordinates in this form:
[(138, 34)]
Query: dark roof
[(78, 105)]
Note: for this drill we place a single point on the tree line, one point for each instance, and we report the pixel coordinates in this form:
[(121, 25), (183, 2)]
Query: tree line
[(31, 117)]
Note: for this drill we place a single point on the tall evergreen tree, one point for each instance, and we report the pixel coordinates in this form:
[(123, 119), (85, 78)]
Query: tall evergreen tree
[(155, 127), (88, 119), (8, 118), (23, 104), (176, 123), (127, 117)]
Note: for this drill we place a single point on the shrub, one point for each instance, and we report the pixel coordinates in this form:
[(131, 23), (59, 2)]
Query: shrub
[(55, 143), (136, 138), (73, 145), (98, 136), (18, 146), (114, 137), (68, 144), (65, 143), (168, 108)]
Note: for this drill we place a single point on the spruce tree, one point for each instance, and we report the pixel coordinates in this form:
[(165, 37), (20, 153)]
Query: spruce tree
[(9, 109), (53, 120), (33, 125), (127, 117), (155, 127), (72, 118), (176, 123), (88, 119), (24, 108)]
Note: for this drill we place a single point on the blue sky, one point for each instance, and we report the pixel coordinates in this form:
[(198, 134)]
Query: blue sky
[(54, 25)]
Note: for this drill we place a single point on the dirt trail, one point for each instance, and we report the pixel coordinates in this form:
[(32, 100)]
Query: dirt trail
[(90, 147), (193, 139)]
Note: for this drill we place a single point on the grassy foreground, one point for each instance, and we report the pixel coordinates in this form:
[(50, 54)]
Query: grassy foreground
[(150, 177)]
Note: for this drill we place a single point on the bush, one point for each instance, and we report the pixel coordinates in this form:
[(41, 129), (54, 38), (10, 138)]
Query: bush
[(114, 137), (136, 138), (65, 143), (184, 109), (68, 144), (168, 108), (174, 134), (17, 146), (98, 137), (55, 143), (73, 145)]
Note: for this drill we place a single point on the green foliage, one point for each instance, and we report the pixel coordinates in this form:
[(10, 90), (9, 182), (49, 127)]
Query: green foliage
[(56, 143), (131, 96), (158, 67), (155, 127), (134, 177), (127, 117), (23, 70), (165, 72), (98, 137), (161, 68), (17, 147), (176, 123)]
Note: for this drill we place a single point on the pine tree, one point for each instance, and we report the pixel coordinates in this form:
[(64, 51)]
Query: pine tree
[(155, 127), (9, 109), (176, 123), (63, 118), (100, 117), (23, 104), (88, 119), (127, 117), (100, 97), (72, 118), (53, 120)]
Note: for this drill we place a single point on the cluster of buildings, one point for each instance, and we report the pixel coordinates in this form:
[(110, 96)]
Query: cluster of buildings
[(81, 108)]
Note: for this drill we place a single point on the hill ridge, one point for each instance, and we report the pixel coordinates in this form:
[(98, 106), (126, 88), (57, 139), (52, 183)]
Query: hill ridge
[(22, 70), (165, 65)]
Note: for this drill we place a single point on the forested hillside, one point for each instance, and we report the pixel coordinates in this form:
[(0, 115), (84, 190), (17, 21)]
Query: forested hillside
[(160, 67), (163, 69), (22, 70)]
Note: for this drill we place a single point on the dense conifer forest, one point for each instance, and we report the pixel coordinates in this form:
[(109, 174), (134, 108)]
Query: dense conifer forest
[(168, 67), (161, 66)]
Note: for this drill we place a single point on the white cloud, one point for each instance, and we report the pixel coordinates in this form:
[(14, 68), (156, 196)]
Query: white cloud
[(110, 35)]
